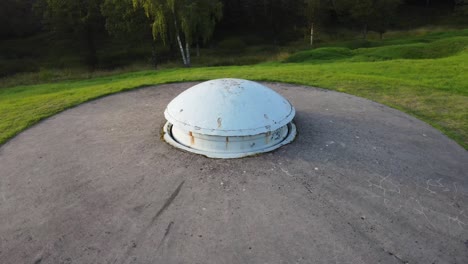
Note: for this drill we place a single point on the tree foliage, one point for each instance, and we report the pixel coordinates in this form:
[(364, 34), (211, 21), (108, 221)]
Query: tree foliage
[(72, 16), (17, 18), (461, 10), (369, 14), (80, 18), (92, 25), (124, 21), (313, 10), (185, 20)]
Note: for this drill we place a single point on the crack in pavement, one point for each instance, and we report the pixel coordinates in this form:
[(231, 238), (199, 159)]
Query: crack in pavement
[(166, 205)]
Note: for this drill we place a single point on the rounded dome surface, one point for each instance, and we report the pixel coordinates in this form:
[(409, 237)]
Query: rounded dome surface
[(229, 107)]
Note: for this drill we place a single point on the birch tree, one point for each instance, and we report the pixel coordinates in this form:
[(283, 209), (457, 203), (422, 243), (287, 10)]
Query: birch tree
[(208, 13), (312, 13), (187, 20), (123, 21)]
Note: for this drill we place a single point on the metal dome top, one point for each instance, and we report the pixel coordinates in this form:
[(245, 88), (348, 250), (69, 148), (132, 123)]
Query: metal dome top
[(229, 107)]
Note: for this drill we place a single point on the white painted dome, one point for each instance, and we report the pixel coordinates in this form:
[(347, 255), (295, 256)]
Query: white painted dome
[(229, 118), (229, 107)]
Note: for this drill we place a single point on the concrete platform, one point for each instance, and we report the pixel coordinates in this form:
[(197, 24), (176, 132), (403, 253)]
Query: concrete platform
[(362, 183)]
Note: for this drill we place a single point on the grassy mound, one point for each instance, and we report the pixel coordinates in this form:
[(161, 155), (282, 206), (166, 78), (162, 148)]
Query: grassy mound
[(437, 49), (433, 46), (321, 54)]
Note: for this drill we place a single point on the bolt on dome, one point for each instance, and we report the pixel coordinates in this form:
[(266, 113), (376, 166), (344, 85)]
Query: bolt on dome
[(229, 118)]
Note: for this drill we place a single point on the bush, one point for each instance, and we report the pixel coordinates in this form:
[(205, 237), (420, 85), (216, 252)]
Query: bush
[(232, 45), (10, 67), (253, 40)]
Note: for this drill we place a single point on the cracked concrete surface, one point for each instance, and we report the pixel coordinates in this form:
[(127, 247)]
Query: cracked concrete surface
[(362, 183)]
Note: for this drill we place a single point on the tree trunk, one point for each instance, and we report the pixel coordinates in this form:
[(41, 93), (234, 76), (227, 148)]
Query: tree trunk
[(181, 50), (153, 54), (381, 35), (181, 47), (187, 53), (312, 35), (198, 49)]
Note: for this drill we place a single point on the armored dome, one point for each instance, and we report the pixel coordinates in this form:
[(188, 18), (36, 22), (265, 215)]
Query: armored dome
[(229, 117), (229, 107)]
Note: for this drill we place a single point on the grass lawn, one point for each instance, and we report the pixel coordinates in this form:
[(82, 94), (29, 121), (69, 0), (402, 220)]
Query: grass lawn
[(426, 77)]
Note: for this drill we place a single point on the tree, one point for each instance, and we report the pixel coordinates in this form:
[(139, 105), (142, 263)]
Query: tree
[(277, 20), (203, 20), (384, 14), (17, 18), (123, 21), (81, 18), (370, 13), (312, 13), (186, 20), (362, 10), (461, 10)]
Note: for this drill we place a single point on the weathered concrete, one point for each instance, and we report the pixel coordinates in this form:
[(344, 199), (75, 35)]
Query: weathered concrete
[(362, 183)]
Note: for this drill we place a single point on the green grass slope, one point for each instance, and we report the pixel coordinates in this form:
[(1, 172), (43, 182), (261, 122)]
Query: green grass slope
[(430, 47), (431, 84)]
